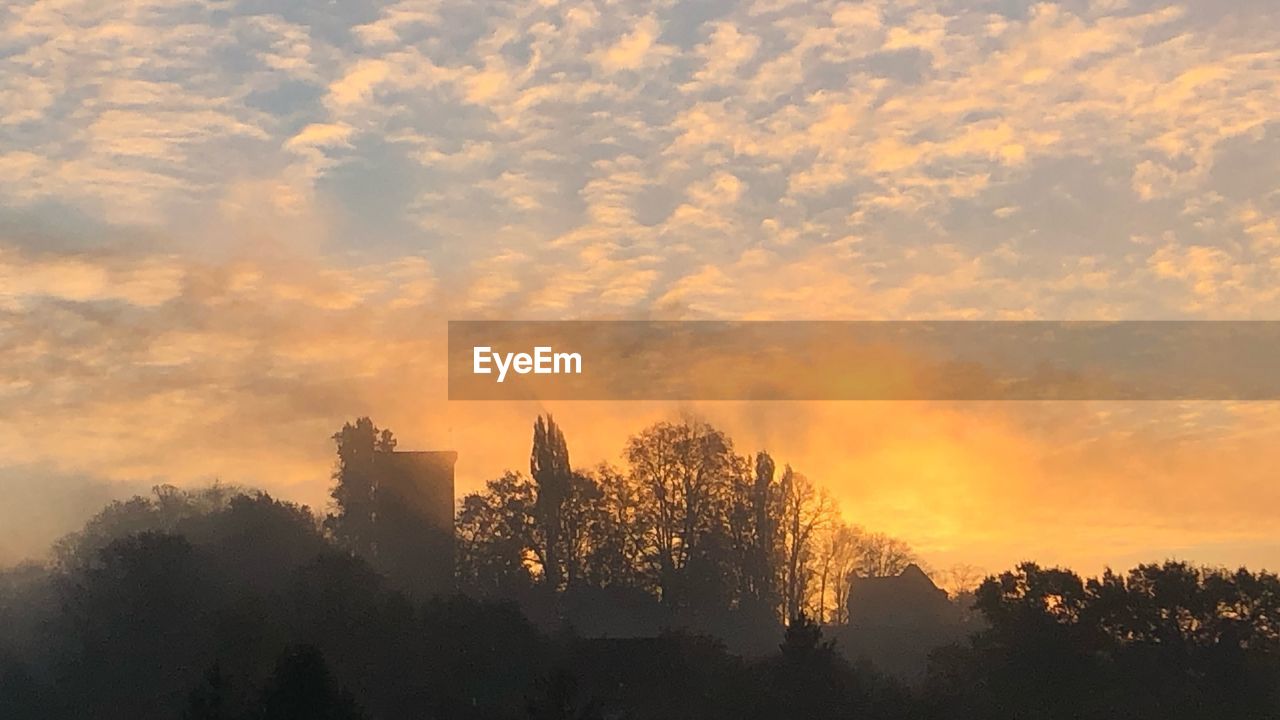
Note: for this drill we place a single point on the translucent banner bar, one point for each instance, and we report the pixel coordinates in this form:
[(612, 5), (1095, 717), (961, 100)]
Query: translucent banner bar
[(864, 360)]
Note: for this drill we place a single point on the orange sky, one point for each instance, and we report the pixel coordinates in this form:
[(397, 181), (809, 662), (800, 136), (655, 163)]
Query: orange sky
[(223, 232)]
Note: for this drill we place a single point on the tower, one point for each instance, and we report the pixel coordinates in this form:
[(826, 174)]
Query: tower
[(415, 520)]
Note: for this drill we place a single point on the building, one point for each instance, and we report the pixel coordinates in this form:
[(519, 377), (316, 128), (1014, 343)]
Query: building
[(423, 480), (896, 621), (908, 599), (415, 507)]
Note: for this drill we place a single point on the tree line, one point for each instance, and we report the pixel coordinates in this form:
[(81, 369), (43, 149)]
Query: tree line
[(228, 604), (687, 520)]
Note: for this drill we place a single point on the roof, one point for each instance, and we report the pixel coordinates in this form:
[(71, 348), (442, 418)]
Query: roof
[(911, 575), (907, 598)]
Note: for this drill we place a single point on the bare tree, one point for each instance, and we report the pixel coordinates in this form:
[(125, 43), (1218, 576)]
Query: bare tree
[(838, 554), (618, 549), (582, 517), (805, 510), (681, 471), (880, 555), (961, 578)]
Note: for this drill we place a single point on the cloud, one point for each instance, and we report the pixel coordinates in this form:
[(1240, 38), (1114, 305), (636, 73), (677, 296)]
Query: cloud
[(218, 221), (358, 83), (321, 135), (634, 50), (723, 54), (244, 372), (81, 279)]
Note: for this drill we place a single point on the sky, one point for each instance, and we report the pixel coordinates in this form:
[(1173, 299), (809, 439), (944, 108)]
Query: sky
[(228, 226)]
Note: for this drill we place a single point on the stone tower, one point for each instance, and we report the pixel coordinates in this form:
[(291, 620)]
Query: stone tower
[(415, 520)]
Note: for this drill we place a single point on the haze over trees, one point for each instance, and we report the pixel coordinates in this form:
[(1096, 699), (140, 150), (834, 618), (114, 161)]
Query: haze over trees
[(691, 582)]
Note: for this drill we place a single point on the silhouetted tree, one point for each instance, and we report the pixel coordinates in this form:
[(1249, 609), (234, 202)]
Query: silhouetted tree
[(211, 700), (163, 511), (682, 472), (497, 536), (1165, 641), (880, 555), (837, 558), (810, 679), (302, 688), (558, 697), (805, 511), (355, 489), (766, 538), (141, 597), (21, 695), (582, 517), (549, 467), (617, 541), (289, 624)]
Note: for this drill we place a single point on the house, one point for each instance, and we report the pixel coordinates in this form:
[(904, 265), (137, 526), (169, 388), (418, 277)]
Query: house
[(908, 599), (896, 621)]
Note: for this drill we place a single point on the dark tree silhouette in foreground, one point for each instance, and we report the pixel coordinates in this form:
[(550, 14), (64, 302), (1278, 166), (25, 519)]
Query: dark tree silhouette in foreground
[(559, 697), (211, 699), (1164, 641), (302, 688)]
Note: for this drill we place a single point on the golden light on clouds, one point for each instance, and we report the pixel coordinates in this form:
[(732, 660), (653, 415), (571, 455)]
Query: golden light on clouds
[(223, 232)]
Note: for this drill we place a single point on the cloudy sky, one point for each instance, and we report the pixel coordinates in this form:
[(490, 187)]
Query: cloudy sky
[(226, 226)]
